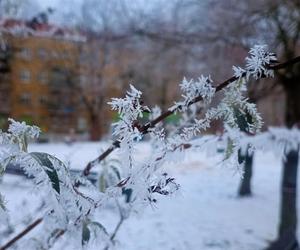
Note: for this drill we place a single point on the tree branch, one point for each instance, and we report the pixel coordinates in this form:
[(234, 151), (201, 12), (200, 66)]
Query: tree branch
[(23, 233)]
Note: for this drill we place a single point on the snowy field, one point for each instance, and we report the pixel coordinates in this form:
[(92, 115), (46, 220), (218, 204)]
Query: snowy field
[(204, 215)]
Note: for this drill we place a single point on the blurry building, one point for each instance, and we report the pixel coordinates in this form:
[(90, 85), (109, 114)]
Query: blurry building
[(58, 78), (40, 72)]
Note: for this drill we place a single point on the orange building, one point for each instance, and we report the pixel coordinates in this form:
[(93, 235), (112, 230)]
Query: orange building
[(43, 70)]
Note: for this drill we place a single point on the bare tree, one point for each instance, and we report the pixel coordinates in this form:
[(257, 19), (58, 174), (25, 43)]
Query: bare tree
[(278, 24), (119, 37)]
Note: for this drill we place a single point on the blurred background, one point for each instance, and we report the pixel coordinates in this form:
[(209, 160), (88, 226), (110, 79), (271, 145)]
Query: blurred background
[(60, 63)]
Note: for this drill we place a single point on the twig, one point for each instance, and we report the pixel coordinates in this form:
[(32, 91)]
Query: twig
[(122, 219), (20, 235)]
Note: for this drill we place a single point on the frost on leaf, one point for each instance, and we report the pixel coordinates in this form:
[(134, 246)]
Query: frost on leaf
[(258, 62), (110, 174), (191, 89), (129, 110), (155, 112), (44, 161), (238, 72), (65, 206), (237, 111), (86, 234), (2, 206), (21, 132), (22, 129)]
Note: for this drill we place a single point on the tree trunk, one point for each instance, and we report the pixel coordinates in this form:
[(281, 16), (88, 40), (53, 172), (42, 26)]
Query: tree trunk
[(287, 239), (245, 184), (95, 129), (288, 214)]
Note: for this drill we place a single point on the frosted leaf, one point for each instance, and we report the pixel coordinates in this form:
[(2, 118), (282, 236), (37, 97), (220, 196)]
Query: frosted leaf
[(235, 106), (238, 71), (130, 105), (192, 89), (197, 127), (22, 129), (129, 110), (258, 61), (155, 112), (2, 206)]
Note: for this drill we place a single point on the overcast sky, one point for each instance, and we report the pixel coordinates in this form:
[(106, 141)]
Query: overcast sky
[(88, 12), (65, 8)]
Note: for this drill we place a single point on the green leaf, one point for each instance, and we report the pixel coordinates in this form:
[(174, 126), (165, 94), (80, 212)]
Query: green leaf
[(4, 163), (2, 169), (243, 119), (102, 183), (2, 203), (116, 171), (43, 160), (24, 143), (229, 149), (86, 234), (127, 192)]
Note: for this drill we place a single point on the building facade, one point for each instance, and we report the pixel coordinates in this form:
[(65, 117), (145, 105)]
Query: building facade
[(38, 86)]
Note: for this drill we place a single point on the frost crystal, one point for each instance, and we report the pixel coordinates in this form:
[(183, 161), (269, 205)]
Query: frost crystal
[(155, 112), (238, 71), (238, 112), (129, 110), (202, 87), (21, 128), (258, 62), (192, 89)]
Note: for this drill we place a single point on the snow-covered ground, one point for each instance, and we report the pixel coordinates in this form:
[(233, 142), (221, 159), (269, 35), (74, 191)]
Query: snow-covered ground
[(205, 214)]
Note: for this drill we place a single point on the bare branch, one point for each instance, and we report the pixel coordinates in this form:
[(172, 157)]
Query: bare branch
[(23, 233)]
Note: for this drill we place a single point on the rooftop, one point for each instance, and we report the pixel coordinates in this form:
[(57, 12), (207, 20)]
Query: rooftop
[(36, 28)]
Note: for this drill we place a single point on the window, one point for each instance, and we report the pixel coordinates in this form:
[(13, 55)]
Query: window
[(25, 98), (25, 53), (43, 77), (25, 75), (43, 100), (65, 54), (82, 124), (42, 53), (55, 55), (60, 77)]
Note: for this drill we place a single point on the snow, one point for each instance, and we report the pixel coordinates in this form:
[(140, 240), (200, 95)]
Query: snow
[(205, 214), (75, 154)]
